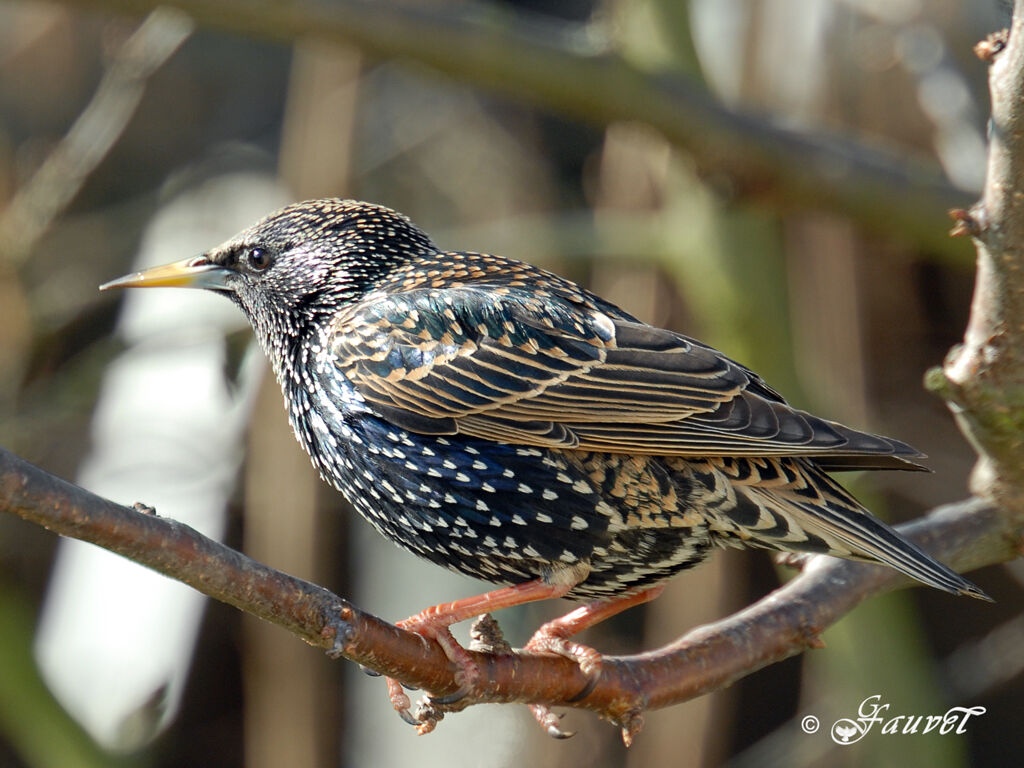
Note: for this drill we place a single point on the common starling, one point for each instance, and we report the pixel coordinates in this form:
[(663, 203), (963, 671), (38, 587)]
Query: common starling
[(505, 423)]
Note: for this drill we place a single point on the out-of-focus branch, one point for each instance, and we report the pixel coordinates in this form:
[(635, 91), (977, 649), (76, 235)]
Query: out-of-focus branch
[(967, 535), (569, 68), (983, 378), (98, 127)]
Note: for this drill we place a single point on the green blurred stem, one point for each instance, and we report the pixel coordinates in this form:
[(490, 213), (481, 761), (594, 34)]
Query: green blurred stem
[(572, 69)]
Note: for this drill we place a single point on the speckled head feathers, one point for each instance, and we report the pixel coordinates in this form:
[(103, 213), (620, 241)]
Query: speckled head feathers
[(299, 265), (346, 246)]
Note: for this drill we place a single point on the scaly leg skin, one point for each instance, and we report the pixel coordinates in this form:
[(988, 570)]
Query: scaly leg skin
[(433, 624), (553, 637)]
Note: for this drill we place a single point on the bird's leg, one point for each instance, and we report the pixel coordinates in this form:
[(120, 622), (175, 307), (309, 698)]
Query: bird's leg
[(434, 622), (553, 637)]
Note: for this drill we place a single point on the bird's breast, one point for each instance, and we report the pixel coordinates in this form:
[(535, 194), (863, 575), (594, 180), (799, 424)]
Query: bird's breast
[(500, 512)]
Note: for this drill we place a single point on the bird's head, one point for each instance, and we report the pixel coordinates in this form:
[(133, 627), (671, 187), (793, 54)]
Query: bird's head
[(296, 268)]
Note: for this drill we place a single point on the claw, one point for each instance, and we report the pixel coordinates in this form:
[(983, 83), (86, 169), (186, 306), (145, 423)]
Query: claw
[(632, 723), (451, 698), (591, 684), (409, 717), (549, 721), (369, 672)]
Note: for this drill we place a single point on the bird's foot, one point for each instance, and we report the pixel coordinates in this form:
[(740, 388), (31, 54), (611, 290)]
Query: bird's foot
[(553, 637), (467, 675), (400, 701), (486, 636), (433, 624)]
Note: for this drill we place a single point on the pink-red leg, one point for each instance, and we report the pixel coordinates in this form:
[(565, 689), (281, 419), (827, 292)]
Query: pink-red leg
[(553, 637), (434, 623)]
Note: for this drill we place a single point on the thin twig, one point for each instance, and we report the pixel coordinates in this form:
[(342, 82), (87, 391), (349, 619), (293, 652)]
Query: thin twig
[(56, 182), (574, 70)]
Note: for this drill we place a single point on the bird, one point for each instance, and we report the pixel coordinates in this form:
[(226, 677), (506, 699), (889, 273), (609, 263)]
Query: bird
[(505, 423)]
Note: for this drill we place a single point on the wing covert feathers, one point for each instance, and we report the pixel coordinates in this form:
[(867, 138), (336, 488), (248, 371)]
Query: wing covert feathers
[(560, 368)]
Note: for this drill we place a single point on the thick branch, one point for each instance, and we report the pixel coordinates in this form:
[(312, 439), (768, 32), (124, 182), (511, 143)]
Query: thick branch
[(984, 377), (966, 535), (562, 68)]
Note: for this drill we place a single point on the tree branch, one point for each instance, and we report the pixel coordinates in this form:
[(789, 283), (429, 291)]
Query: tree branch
[(967, 535), (59, 178), (983, 378), (573, 70)]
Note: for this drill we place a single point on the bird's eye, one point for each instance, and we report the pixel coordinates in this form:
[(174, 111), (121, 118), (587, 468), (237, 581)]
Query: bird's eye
[(257, 259)]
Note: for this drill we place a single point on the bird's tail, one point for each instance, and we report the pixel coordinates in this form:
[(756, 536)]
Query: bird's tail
[(795, 507)]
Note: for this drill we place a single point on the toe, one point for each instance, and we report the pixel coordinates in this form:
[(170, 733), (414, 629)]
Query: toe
[(589, 659), (400, 701), (549, 721)]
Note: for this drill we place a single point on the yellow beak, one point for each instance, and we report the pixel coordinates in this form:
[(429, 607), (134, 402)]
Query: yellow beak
[(197, 272)]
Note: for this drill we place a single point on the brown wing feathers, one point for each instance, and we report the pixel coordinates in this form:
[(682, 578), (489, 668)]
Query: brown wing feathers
[(572, 375)]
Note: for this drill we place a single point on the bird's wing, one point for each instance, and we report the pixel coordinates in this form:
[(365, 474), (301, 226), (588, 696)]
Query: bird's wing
[(554, 369)]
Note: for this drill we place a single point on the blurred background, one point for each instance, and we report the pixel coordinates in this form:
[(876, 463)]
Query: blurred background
[(130, 141)]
